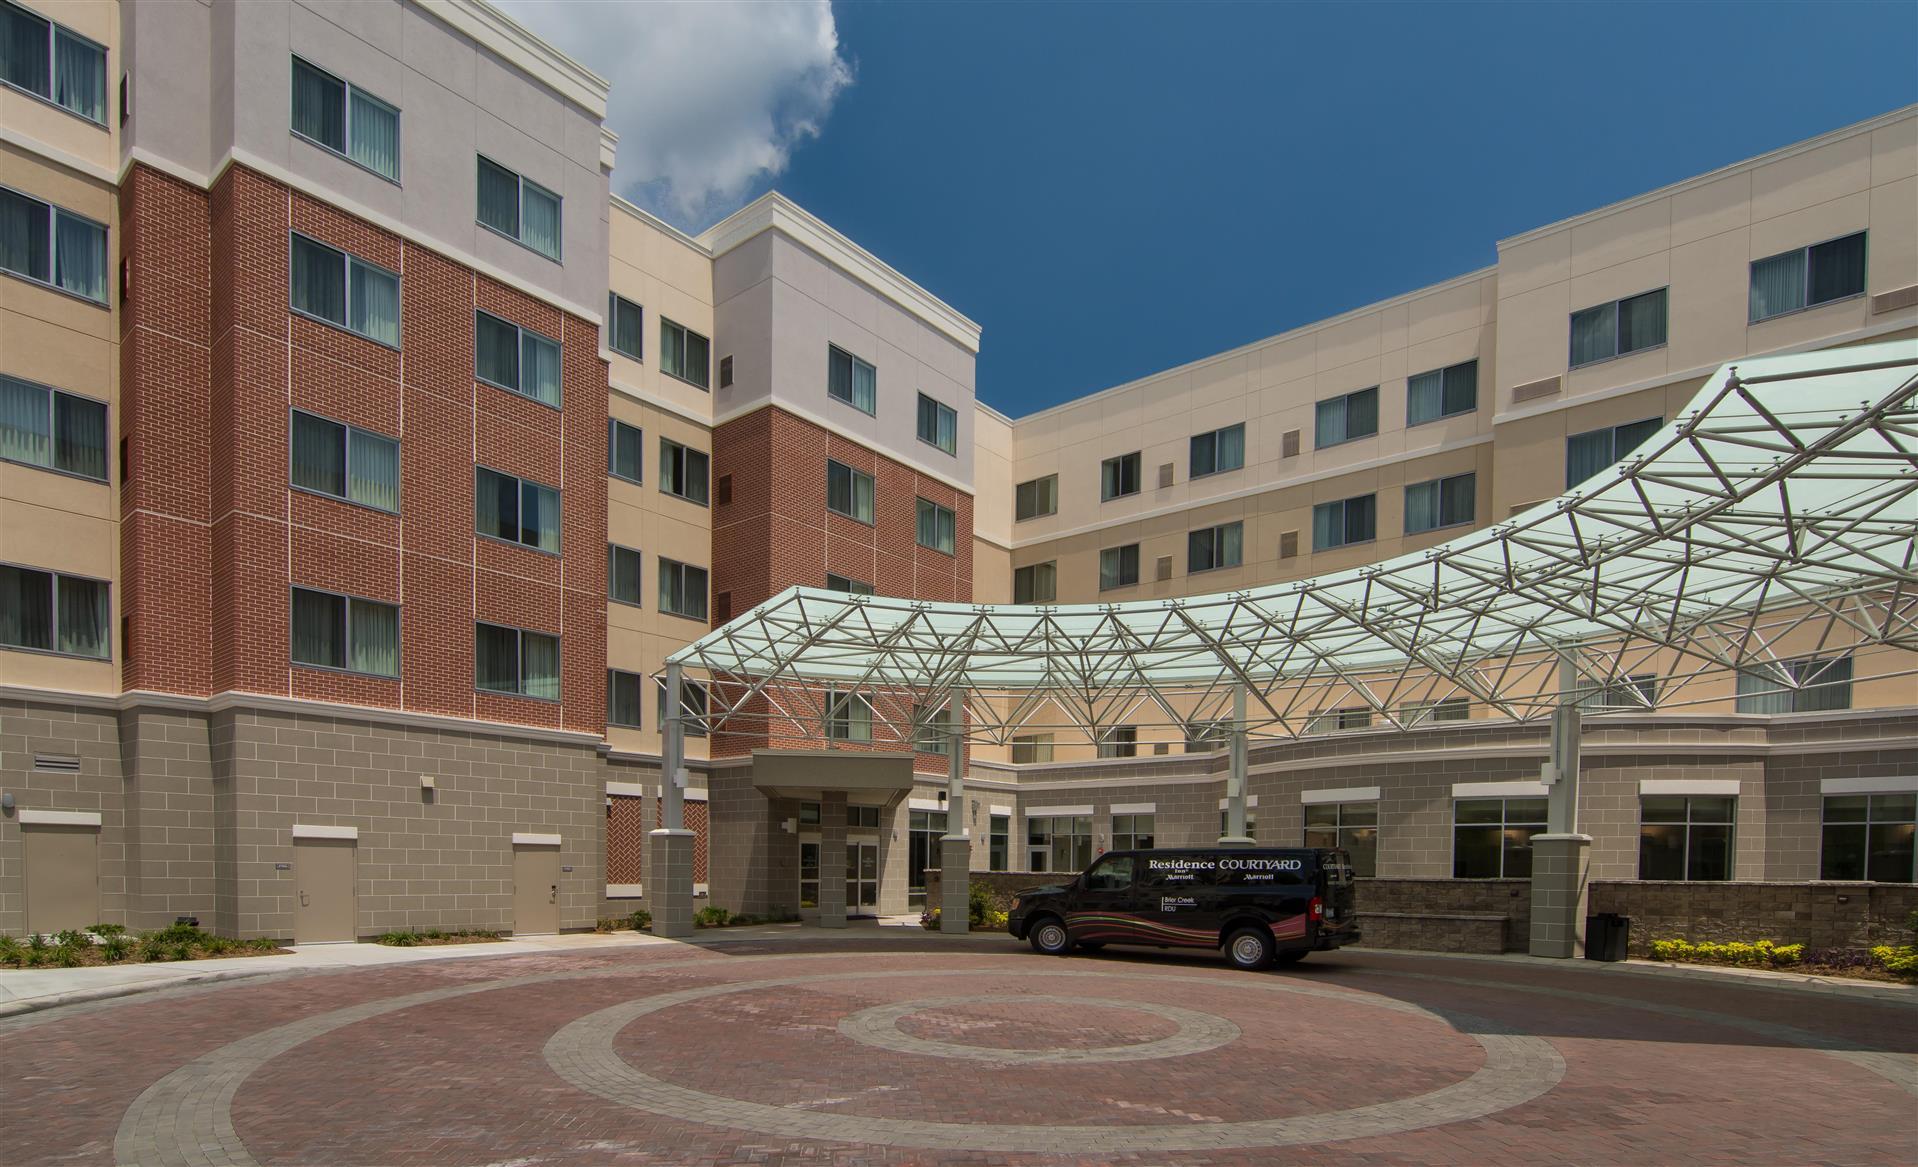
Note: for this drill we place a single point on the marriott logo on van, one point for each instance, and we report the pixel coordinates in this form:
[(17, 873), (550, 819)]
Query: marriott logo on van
[(1229, 863)]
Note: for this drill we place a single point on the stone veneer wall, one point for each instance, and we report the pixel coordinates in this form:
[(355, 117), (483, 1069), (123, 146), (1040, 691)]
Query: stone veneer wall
[(1822, 915)]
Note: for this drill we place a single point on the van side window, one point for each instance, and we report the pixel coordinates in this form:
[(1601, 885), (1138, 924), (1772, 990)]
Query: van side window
[(1113, 874)]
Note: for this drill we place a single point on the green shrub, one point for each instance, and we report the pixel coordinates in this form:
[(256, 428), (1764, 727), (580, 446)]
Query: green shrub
[(36, 942), (1901, 959), (1761, 954), (640, 920), (12, 952), (104, 931), (263, 944), (712, 917), (69, 955), (397, 939), (116, 948)]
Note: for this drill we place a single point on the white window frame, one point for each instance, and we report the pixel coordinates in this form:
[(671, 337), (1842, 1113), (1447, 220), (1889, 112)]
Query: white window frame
[(54, 213), (558, 255), (55, 30), (613, 302), (348, 261), (347, 431), (53, 436), (1051, 502), (347, 92), (347, 600), (681, 587)]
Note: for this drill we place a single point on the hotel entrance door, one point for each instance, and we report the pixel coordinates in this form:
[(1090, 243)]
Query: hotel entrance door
[(862, 878)]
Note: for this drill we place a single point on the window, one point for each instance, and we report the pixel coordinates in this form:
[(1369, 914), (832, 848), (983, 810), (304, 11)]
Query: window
[(998, 841), (1031, 748), (1441, 393), (1632, 691), (840, 583), (516, 510), (685, 354), (848, 717), (513, 660), (44, 59), (345, 462), (851, 380), (848, 492), (1213, 547), (1807, 277), (809, 814), (1685, 836), (1059, 842), (1868, 836), (516, 359), (518, 208), (1353, 826), (1038, 497), (683, 471), (1623, 326), (1447, 709), (623, 575), (1112, 874), (1118, 567), (623, 321), (1346, 418), (682, 589), (1351, 520), (1492, 837), (938, 424), (1132, 832), (934, 729), (59, 431), (692, 705), (1119, 477), (357, 126), (1806, 685), (49, 612), (625, 450), (1595, 451), (1251, 823), (623, 700), (1442, 502), (41, 242), (923, 830), (344, 632), (1036, 583), (345, 291), (862, 818), (1205, 736), (1217, 452), (938, 527), (1333, 720), (1120, 741)]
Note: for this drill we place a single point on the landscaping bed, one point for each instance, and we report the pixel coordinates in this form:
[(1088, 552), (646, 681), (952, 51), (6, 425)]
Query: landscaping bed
[(431, 937), (112, 944), (1891, 964)]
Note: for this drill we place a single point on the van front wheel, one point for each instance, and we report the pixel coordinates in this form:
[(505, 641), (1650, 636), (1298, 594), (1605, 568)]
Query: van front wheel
[(1250, 948), (1049, 937)]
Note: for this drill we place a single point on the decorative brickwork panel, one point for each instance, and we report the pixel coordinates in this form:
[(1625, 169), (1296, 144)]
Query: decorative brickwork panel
[(625, 838)]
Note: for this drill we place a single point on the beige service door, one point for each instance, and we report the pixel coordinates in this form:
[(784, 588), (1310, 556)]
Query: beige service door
[(62, 876), (323, 907), (535, 890)]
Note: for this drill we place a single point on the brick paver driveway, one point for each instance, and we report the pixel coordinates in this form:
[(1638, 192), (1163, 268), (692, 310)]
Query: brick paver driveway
[(975, 1052)]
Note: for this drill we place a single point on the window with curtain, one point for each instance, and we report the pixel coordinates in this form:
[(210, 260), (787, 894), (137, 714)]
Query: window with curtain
[(1349, 520), (1120, 741), (692, 703), (1810, 684), (851, 380), (516, 359), (1441, 393), (625, 450), (1217, 452), (1444, 709), (519, 208), (1346, 418), (1119, 476), (1442, 502), (516, 510), (1492, 837), (852, 587), (52, 62), (1037, 497), (1118, 567), (43, 243), (1036, 583), (933, 729), (848, 717), (848, 491), (938, 424), (1807, 276), (1334, 720), (1215, 547), (44, 427), (1869, 836), (938, 527), (331, 458), (682, 589), (623, 320), (684, 354), (1595, 451), (1622, 326), (46, 611), (1352, 826), (514, 660), (333, 631), (623, 575), (1686, 836), (624, 699), (346, 120), (343, 290), (683, 471), (1631, 691), (1031, 748)]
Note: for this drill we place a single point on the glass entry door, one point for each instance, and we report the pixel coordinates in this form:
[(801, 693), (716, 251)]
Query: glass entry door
[(862, 878), (809, 875)]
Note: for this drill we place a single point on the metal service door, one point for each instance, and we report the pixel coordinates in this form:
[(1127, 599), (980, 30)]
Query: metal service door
[(535, 890), (323, 905)]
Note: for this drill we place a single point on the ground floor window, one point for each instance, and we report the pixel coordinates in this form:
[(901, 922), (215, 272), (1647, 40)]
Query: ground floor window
[(998, 842), (1351, 825), (808, 874), (927, 826), (862, 818), (1132, 832), (1492, 837), (1059, 842), (1869, 836), (1685, 837), (1251, 823)]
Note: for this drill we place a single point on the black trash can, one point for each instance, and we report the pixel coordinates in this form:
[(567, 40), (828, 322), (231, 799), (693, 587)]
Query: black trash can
[(1606, 936)]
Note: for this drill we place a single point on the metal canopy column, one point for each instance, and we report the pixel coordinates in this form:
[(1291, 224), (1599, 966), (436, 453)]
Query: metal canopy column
[(955, 849), (670, 889), (1235, 835), (1561, 856)]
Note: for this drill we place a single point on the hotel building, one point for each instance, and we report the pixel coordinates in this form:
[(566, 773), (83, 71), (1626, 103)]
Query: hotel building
[(363, 457)]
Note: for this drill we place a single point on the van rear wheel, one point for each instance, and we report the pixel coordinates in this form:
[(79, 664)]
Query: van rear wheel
[(1250, 948), (1049, 936)]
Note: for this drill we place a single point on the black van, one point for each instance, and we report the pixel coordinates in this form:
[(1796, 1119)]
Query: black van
[(1259, 904)]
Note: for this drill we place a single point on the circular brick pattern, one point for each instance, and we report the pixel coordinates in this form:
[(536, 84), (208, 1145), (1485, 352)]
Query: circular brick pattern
[(1194, 1032)]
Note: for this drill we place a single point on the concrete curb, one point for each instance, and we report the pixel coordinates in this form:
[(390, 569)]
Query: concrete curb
[(109, 992)]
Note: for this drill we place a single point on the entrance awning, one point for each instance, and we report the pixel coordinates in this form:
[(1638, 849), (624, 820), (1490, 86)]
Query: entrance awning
[(865, 777)]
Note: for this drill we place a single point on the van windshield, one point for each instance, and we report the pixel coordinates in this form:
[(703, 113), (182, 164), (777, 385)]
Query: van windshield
[(1114, 874)]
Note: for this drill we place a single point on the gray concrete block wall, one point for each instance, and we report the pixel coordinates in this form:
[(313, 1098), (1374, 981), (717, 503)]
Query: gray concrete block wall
[(167, 760), (92, 736), (1794, 803)]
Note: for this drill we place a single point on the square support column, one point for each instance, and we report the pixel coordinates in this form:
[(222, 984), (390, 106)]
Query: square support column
[(669, 886), (955, 898), (1560, 888), (832, 859)]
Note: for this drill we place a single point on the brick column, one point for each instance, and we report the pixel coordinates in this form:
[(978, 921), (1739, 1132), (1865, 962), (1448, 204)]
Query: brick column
[(832, 859), (1560, 886)]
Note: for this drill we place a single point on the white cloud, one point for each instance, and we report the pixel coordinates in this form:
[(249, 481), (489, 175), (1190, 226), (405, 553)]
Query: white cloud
[(709, 97)]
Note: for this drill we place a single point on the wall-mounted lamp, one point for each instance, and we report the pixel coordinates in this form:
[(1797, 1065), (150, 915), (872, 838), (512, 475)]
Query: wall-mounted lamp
[(6, 802)]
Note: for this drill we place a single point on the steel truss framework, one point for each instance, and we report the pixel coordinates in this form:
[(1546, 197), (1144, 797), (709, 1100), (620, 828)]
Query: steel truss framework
[(1772, 522)]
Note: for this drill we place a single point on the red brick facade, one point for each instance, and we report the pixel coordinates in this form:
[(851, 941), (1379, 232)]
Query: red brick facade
[(214, 360)]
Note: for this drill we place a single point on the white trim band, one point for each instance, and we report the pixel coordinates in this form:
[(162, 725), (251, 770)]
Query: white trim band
[(321, 831), (1868, 786), (1519, 789), (531, 839), (691, 795), (623, 891), (924, 804), (1339, 794), (1134, 808), (1689, 786), (626, 789), (1057, 811), (29, 817), (997, 809)]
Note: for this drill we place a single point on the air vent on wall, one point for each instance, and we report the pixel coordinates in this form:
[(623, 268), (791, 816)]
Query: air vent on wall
[(1289, 545), (723, 490), (1892, 301), (1289, 444), (1161, 748), (56, 763), (722, 608), (1534, 390), (1165, 567), (1165, 475), (726, 372)]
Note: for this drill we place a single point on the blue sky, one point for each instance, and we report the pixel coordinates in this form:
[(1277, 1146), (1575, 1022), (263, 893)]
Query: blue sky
[(1111, 190)]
